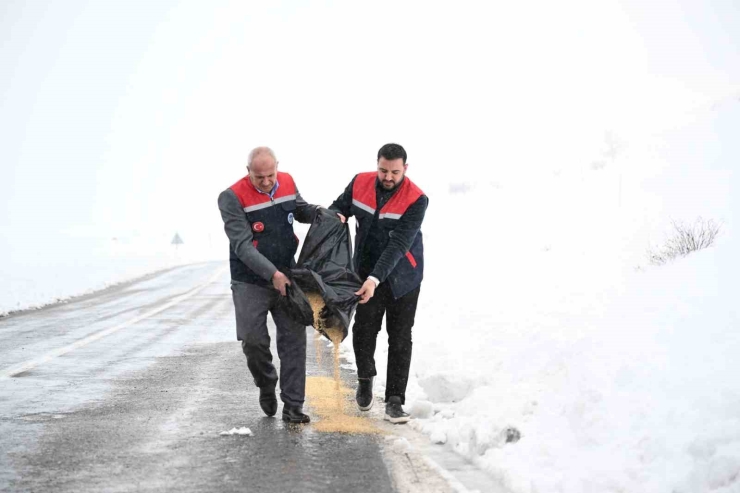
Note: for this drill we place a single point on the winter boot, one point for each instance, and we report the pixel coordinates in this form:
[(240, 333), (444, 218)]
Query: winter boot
[(394, 412), (268, 400), (364, 395), (294, 414)]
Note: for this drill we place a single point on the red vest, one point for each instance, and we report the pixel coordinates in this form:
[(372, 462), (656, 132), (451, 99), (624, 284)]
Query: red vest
[(252, 200), (271, 220), (363, 196), (409, 271)]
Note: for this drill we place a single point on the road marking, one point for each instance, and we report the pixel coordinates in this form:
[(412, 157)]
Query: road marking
[(446, 475), (11, 372)]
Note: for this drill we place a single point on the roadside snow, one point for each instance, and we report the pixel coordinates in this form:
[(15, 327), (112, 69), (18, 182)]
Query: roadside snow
[(633, 390), (74, 267), (551, 354)]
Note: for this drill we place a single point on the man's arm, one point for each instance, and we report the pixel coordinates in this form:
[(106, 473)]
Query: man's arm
[(304, 212), (343, 204), (239, 232), (401, 239)]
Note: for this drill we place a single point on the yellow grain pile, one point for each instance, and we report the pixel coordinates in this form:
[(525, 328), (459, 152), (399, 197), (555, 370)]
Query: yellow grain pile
[(334, 408)]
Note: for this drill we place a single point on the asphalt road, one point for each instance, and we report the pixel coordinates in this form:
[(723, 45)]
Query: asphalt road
[(129, 389)]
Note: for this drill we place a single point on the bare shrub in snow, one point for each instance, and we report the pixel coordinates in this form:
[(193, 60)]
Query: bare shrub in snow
[(684, 239)]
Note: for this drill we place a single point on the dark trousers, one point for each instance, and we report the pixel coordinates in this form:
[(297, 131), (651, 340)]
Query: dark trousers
[(251, 304), (400, 315)]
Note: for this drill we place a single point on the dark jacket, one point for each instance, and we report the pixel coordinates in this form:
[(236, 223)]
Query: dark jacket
[(388, 240), (260, 228)]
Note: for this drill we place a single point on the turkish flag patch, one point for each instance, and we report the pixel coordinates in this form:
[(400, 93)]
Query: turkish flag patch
[(258, 227)]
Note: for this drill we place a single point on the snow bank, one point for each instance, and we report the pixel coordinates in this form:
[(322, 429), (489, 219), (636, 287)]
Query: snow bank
[(563, 363), (548, 351)]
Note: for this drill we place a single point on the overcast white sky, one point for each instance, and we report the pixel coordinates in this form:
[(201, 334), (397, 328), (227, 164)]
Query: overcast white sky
[(123, 117)]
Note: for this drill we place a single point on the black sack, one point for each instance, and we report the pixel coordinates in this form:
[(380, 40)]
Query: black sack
[(325, 267), (296, 303)]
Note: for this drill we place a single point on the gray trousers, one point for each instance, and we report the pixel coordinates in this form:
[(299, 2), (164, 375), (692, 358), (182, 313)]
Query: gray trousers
[(251, 304)]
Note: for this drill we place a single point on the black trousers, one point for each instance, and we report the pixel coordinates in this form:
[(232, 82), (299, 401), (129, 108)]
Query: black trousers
[(400, 315)]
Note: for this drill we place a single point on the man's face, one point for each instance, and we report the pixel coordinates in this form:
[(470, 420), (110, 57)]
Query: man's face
[(263, 172), (390, 172)]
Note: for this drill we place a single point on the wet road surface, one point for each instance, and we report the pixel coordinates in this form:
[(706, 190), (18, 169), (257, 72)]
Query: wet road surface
[(128, 390)]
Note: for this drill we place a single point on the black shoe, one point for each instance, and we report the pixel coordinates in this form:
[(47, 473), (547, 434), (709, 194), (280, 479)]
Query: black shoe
[(394, 412), (268, 401), (295, 414), (364, 395)]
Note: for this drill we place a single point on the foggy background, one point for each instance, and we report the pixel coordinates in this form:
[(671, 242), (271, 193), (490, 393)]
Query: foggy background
[(122, 121)]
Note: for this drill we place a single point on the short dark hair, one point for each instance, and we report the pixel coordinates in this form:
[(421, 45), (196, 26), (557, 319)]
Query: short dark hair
[(391, 152)]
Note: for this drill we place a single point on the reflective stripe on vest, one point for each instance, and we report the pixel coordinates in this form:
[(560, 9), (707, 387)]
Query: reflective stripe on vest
[(257, 207), (252, 200), (363, 196)]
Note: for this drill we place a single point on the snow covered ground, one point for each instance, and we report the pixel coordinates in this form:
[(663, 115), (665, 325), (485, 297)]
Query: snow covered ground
[(540, 312), (617, 381)]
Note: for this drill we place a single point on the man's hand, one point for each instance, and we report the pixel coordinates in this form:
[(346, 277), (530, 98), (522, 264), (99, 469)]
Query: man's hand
[(366, 291), (279, 281), (342, 218)]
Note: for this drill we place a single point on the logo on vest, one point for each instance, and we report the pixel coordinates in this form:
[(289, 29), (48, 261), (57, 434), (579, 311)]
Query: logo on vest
[(290, 218), (258, 227)]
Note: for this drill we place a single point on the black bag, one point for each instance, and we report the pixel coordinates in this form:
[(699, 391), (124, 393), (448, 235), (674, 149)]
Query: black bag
[(324, 267)]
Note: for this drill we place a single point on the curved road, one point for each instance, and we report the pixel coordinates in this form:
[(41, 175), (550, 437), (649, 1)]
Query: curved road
[(128, 389)]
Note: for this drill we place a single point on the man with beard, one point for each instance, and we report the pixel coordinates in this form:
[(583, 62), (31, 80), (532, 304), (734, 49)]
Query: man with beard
[(389, 255)]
